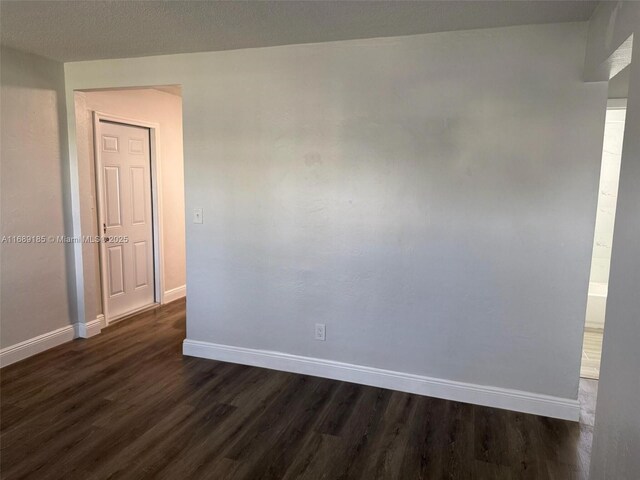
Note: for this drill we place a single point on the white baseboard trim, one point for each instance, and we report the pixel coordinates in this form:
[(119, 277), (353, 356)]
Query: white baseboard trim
[(174, 294), (35, 345), (520, 401), (39, 344), (90, 329)]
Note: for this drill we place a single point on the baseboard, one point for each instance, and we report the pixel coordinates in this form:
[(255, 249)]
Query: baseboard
[(41, 343), (174, 294), (516, 400), (90, 329), (35, 345)]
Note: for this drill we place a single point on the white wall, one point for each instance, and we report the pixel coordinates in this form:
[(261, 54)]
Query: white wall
[(37, 285), (430, 198), (148, 105), (617, 427)]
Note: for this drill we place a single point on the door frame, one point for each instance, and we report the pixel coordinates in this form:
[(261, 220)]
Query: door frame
[(156, 206)]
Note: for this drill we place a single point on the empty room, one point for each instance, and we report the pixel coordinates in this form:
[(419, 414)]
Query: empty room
[(319, 239)]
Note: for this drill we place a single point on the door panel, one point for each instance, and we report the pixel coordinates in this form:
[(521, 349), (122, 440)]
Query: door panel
[(136, 146), (126, 167), (140, 257), (138, 195), (112, 194), (109, 144), (116, 270)]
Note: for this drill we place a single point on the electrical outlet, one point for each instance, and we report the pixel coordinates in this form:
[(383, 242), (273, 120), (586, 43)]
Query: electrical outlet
[(320, 332), (197, 215)]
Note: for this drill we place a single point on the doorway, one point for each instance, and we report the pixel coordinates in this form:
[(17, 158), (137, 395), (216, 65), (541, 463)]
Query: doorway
[(604, 226), (125, 187), (140, 164)]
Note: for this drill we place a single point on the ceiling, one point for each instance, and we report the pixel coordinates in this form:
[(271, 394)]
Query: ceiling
[(87, 30)]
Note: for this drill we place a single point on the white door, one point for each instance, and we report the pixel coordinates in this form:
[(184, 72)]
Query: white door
[(127, 219)]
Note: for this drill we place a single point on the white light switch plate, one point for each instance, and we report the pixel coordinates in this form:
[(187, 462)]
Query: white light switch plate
[(197, 215)]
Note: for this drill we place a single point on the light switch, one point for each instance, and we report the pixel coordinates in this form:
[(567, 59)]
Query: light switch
[(197, 215)]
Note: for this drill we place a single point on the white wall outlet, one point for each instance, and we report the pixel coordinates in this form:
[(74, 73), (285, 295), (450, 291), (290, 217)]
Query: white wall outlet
[(197, 215), (321, 332)]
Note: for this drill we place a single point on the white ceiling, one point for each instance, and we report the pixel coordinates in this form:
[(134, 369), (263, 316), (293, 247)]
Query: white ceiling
[(85, 30)]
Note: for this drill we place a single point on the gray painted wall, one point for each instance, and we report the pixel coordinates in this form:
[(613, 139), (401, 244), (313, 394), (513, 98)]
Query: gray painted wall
[(36, 280), (617, 427), (430, 198), (619, 85)]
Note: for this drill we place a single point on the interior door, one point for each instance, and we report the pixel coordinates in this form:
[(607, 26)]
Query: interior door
[(127, 218)]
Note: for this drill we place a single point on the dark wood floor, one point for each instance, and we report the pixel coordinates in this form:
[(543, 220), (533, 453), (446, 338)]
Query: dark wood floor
[(127, 404)]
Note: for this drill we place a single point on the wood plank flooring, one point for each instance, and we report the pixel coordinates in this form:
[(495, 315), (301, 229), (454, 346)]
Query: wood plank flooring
[(126, 404)]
